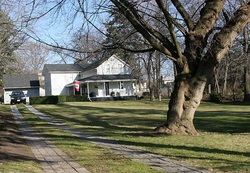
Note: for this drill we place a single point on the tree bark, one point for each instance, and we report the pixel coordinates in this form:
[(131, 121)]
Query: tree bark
[(247, 75), (185, 99)]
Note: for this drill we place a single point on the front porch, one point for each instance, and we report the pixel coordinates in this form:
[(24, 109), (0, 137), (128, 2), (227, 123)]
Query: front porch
[(115, 89)]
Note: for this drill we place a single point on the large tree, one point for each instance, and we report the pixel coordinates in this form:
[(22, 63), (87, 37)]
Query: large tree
[(195, 62)]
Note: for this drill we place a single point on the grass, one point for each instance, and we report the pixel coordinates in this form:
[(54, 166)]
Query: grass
[(86, 153), (15, 155), (222, 146)]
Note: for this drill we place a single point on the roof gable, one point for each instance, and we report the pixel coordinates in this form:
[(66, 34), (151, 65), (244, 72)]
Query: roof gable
[(96, 64)]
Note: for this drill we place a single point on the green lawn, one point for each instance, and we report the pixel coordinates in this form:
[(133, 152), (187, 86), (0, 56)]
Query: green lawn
[(223, 143), (222, 146)]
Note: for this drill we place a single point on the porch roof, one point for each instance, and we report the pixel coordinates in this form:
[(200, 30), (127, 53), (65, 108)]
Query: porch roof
[(106, 78)]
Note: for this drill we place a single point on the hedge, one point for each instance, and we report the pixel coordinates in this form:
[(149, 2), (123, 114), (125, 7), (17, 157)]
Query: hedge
[(57, 99)]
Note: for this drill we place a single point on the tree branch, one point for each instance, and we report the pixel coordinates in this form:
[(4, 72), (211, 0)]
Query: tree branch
[(223, 40), (130, 13), (58, 46), (170, 27), (208, 16), (188, 20)]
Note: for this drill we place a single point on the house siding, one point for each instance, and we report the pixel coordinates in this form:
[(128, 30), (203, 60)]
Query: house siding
[(113, 66), (59, 83)]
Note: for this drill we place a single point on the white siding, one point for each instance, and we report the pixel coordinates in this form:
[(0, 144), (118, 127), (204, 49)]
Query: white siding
[(59, 81), (113, 66)]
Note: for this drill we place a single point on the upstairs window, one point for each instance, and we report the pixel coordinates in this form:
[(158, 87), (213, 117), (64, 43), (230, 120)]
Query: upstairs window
[(107, 69)]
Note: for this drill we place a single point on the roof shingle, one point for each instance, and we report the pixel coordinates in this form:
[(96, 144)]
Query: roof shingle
[(21, 81)]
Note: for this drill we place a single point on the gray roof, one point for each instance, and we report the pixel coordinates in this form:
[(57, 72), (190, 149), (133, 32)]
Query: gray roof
[(21, 81), (80, 67), (92, 65), (63, 67), (108, 78)]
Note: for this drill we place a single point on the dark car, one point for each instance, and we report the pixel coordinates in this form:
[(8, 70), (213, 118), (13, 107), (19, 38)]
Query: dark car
[(17, 97)]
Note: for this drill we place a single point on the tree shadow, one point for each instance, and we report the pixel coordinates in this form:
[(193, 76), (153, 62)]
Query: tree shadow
[(223, 121), (99, 120)]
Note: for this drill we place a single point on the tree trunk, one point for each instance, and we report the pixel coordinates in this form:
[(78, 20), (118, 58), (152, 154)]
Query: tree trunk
[(247, 85), (216, 83), (247, 76), (158, 75), (185, 99), (224, 90), (234, 85)]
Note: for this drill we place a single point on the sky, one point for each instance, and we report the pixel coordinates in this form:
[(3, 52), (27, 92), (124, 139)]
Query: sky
[(58, 28)]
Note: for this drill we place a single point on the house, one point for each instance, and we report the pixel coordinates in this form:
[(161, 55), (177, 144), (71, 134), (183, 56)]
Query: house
[(103, 79), (28, 83)]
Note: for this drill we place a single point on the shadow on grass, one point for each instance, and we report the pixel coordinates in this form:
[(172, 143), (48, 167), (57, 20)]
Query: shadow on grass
[(123, 119), (10, 156), (98, 118), (213, 121), (223, 121)]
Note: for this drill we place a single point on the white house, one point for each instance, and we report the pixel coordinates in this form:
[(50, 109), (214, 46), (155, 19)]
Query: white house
[(108, 78)]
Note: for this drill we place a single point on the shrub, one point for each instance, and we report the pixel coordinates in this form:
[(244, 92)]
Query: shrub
[(57, 99), (77, 98), (216, 97)]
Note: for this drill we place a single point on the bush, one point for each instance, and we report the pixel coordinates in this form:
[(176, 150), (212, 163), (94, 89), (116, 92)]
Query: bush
[(72, 98), (57, 99), (216, 97)]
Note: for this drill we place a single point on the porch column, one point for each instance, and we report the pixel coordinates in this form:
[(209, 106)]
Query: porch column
[(80, 87), (88, 89)]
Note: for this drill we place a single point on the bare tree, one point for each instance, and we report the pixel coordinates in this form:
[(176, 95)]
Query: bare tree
[(31, 57)]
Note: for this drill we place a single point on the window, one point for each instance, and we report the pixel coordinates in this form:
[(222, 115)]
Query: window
[(120, 68), (108, 68)]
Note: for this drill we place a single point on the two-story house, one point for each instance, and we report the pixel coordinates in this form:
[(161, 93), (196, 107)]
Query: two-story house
[(108, 78)]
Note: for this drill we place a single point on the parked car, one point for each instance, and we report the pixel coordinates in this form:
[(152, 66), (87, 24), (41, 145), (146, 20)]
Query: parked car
[(17, 97)]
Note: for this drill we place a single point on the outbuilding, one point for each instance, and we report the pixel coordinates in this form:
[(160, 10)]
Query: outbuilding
[(27, 83)]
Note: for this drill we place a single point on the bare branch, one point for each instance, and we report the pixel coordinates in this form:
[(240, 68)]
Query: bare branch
[(60, 47), (224, 39), (170, 27), (188, 20), (138, 23)]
